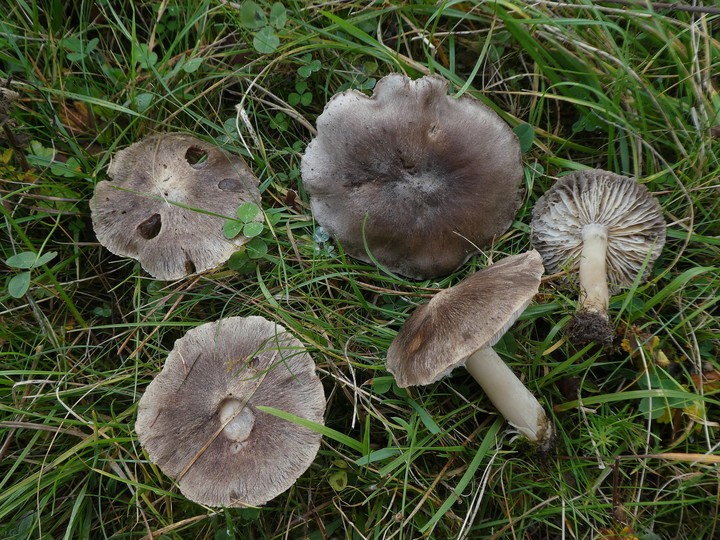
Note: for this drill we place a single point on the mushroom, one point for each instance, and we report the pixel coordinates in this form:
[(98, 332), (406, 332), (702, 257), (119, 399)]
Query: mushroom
[(607, 224), (411, 177), (166, 203), (199, 420), (460, 325)]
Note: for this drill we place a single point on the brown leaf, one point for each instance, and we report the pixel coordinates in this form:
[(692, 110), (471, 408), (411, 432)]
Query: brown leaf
[(291, 199), (707, 381), (77, 117)]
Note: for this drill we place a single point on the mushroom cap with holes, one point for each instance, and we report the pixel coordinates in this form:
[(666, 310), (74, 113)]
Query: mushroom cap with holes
[(440, 335), (424, 178), (192, 423), (632, 216), (163, 205)]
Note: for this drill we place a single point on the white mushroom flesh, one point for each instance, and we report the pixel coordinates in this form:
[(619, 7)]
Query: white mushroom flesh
[(509, 395), (593, 276), (238, 421)]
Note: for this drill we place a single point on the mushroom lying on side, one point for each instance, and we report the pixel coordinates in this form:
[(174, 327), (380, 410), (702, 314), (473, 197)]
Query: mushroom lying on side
[(164, 204), (460, 325), (607, 224), (199, 421), (412, 177)]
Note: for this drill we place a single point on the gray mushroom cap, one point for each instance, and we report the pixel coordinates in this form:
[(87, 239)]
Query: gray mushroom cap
[(439, 336), (135, 215), (632, 216), (425, 179), (192, 422)]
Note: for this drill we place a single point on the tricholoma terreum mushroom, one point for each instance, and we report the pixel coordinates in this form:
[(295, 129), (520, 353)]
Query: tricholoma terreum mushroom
[(199, 421), (412, 177), (607, 224), (164, 204), (460, 325)]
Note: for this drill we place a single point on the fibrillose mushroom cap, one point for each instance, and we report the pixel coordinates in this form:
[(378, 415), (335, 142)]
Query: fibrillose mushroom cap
[(440, 335), (425, 177), (139, 219), (210, 373), (632, 216)]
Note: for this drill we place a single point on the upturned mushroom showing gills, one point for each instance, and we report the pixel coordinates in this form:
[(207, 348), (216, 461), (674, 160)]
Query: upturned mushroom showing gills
[(165, 203), (198, 419), (412, 177), (460, 325), (608, 225)]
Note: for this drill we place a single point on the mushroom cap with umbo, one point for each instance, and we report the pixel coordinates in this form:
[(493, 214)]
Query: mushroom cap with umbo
[(199, 421), (439, 336), (632, 216), (423, 178), (164, 204)]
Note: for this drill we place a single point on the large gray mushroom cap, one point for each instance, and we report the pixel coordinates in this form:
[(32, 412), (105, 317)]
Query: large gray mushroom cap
[(199, 421), (632, 216), (425, 179), (163, 205), (440, 336)]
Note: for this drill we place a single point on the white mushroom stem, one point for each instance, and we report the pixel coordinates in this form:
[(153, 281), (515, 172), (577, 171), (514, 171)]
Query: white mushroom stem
[(509, 395), (593, 275), (238, 421)]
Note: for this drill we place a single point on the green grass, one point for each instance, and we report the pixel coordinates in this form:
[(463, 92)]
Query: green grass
[(631, 90)]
